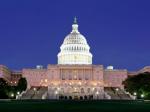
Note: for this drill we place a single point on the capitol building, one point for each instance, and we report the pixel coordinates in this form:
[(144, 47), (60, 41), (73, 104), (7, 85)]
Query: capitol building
[(74, 76)]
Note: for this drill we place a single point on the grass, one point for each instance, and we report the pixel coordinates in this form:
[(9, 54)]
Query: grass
[(73, 106)]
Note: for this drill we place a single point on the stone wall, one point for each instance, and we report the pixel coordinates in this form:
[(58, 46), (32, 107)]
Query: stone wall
[(114, 78), (35, 77), (5, 73)]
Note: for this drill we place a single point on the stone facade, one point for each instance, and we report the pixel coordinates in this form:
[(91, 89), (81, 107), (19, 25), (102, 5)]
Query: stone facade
[(10, 76), (71, 80), (76, 80), (114, 78), (5, 73)]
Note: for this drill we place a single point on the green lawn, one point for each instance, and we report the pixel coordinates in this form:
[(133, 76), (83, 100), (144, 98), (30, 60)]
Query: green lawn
[(73, 106)]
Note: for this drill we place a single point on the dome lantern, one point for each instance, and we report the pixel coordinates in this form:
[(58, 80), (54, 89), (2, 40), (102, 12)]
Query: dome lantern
[(75, 26), (75, 20)]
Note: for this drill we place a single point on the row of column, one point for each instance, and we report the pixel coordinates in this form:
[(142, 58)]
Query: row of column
[(76, 74)]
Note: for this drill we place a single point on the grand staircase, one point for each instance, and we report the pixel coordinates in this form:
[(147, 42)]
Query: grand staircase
[(42, 93), (35, 93), (117, 93)]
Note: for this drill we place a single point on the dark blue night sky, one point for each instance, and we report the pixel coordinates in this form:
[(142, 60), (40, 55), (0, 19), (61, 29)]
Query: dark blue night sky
[(118, 31)]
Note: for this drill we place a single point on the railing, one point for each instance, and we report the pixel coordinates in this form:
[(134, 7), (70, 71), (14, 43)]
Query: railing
[(131, 96), (107, 96), (20, 95), (44, 95)]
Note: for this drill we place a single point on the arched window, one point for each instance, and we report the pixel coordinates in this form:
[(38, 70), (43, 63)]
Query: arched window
[(95, 90), (82, 90), (88, 90), (62, 90)]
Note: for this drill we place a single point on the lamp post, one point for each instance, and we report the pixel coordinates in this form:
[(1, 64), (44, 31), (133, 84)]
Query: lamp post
[(18, 93), (142, 95), (134, 93), (34, 90), (117, 89), (97, 93), (56, 93), (12, 95)]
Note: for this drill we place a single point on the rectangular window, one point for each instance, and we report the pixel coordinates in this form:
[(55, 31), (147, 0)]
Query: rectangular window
[(63, 76), (70, 77)]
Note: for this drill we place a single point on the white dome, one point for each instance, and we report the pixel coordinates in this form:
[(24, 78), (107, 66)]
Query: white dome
[(75, 49), (74, 38)]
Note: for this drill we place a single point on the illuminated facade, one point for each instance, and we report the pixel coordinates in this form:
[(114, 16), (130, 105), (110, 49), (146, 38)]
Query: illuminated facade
[(74, 75)]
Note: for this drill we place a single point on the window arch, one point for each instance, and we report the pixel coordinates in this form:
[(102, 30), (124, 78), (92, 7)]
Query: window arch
[(82, 90), (88, 90)]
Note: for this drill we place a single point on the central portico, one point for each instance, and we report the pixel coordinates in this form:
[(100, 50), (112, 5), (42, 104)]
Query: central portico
[(82, 81)]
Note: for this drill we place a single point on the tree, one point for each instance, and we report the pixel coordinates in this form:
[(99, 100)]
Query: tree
[(139, 83), (3, 88), (8, 91), (22, 84)]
